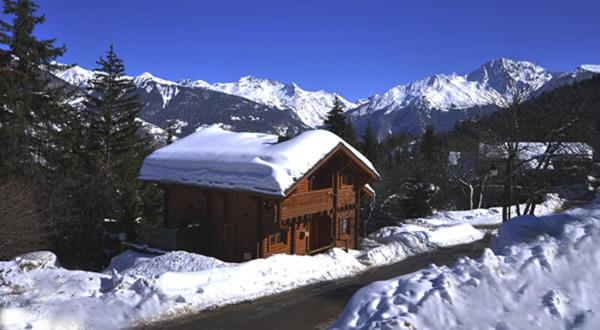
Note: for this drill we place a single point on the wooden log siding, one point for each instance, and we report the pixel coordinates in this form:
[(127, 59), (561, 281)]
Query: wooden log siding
[(307, 203), (249, 219)]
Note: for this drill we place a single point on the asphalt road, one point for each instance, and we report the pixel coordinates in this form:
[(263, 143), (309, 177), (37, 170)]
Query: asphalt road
[(315, 306)]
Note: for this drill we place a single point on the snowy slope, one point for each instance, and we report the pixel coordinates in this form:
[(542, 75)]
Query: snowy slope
[(542, 274), (510, 78), (310, 106), (439, 100), (76, 76), (35, 292), (583, 72), (442, 99)]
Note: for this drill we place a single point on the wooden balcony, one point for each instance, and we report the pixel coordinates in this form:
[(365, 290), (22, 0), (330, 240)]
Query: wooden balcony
[(307, 203)]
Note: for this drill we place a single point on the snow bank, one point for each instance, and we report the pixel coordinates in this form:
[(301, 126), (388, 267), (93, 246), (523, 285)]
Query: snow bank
[(396, 243), (138, 264), (213, 157), (139, 287), (56, 298), (485, 217), (548, 282)]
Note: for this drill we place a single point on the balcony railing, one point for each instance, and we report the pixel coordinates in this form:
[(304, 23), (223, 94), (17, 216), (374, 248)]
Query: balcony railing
[(307, 203)]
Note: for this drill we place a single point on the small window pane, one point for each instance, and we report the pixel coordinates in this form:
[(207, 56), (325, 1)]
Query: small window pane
[(346, 226)]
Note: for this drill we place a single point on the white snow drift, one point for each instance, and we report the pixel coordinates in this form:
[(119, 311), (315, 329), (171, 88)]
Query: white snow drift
[(485, 217), (542, 274), (36, 293)]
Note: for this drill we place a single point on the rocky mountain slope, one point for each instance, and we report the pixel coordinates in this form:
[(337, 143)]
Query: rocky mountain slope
[(263, 105)]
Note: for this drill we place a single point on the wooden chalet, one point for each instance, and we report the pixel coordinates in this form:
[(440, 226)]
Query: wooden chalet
[(240, 196)]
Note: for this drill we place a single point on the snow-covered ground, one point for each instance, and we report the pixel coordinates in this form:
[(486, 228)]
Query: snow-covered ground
[(37, 295), (542, 273), (396, 243), (139, 287), (485, 217)]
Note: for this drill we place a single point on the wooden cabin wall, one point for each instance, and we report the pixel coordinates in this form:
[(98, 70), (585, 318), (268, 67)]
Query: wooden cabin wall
[(185, 205), (248, 221), (217, 211)]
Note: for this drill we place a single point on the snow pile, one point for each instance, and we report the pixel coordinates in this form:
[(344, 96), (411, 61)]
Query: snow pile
[(546, 281), (256, 278), (138, 264), (485, 217), (396, 243), (213, 157), (139, 287), (56, 298)]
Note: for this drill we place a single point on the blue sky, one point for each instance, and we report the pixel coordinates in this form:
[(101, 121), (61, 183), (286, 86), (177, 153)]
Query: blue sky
[(356, 48)]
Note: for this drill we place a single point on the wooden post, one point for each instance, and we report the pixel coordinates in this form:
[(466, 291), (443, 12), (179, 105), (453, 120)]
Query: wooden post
[(335, 205), (293, 237), (357, 218), (259, 244)]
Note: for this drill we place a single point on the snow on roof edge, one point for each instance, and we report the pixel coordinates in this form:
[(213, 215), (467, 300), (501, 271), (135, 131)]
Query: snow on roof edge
[(252, 162)]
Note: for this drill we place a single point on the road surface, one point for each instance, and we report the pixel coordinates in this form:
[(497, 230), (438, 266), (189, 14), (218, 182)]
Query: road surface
[(314, 306)]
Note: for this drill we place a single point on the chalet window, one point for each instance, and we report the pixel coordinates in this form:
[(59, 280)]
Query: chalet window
[(320, 181), (268, 205), (347, 179), (346, 226), (279, 237)]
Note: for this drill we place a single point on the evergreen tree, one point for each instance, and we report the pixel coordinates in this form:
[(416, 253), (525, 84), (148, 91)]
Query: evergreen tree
[(114, 141), (349, 134), (31, 108), (432, 147), (40, 134), (369, 145), (335, 121)]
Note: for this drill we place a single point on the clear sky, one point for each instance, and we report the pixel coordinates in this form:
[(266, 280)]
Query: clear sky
[(356, 48)]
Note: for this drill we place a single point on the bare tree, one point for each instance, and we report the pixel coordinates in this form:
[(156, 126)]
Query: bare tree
[(520, 123)]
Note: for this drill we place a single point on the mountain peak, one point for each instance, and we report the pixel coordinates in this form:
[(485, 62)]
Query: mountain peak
[(510, 76), (149, 77), (76, 76), (590, 67)]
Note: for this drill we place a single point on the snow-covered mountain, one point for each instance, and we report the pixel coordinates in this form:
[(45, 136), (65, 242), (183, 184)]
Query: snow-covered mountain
[(76, 76), (510, 78), (443, 99), (310, 106), (191, 105), (270, 106), (583, 72)]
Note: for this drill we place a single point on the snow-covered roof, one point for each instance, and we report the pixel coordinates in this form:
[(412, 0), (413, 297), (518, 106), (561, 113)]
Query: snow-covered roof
[(256, 162)]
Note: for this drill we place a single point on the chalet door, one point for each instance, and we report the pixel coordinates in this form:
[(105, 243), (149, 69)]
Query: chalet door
[(226, 241), (319, 232)]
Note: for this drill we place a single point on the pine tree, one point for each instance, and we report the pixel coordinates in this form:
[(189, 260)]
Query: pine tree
[(369, 145), (339, 125), (114, 141), (432, 146), (31, 107), (335, 121), (40, 134)]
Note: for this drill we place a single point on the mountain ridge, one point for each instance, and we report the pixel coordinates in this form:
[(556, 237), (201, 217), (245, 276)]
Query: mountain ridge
[(439, 100)]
